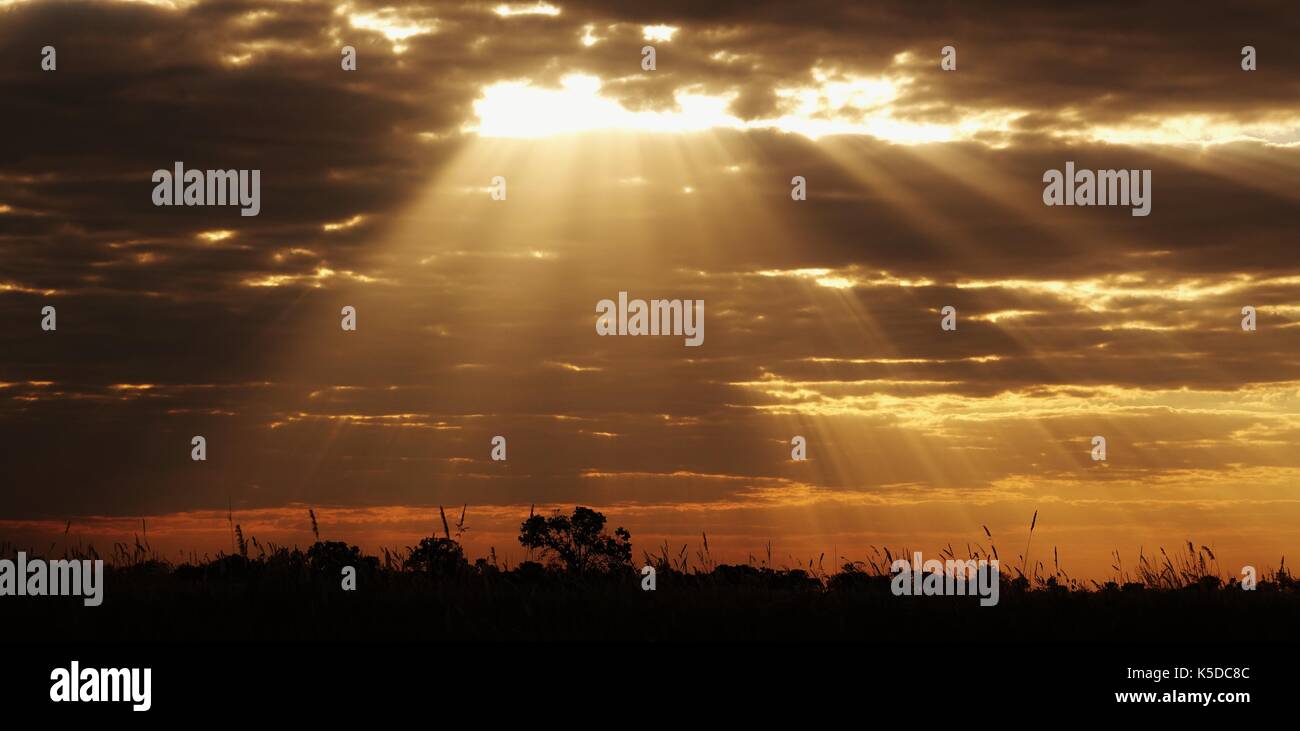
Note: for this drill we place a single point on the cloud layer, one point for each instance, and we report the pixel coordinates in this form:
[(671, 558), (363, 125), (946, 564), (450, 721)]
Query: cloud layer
[(476, 317)]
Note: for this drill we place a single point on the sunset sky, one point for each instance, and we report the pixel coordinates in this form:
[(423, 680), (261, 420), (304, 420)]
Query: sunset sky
[(476, 317)]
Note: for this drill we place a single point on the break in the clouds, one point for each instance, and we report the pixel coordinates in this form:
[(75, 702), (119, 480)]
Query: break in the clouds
[(474, 316)]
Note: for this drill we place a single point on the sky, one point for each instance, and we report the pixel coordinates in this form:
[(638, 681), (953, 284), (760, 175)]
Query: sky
[(476, 317)]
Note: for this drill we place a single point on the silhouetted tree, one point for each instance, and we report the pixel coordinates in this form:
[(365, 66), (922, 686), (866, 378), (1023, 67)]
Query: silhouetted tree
[(577, 540), (442, 556), (329, 557)]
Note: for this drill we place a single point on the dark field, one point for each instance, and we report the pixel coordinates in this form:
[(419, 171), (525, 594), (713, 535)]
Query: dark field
[(584, 586)]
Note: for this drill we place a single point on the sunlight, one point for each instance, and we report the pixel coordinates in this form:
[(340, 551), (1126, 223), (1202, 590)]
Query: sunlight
[(165, 4), (343, 225), (389, 23), (519, 109), (1193, 129), (837, 105), (539, 8), (215, 236), (658, 32)]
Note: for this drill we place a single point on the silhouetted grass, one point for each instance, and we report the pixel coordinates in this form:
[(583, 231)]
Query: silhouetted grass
[(433, 592)]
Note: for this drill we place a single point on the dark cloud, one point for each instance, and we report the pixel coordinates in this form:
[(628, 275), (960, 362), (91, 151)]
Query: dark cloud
[(477, 317)]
